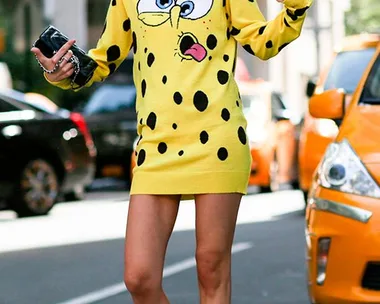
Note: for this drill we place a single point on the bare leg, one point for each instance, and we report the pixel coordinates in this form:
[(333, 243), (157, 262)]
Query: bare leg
[(216, 216), (150, 223)]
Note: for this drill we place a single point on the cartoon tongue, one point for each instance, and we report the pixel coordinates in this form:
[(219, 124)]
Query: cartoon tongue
[(197, 51)]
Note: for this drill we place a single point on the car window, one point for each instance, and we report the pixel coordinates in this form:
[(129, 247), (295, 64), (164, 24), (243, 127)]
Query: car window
[(277, 102), (371, 91), (109, 99), (347, 69), (7, 107)]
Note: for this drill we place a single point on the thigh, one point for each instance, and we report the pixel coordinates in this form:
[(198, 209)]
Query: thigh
[(216, 216), (150, 223)]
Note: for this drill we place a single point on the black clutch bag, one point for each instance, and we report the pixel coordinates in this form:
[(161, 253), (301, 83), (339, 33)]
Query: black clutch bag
[(50, 41)]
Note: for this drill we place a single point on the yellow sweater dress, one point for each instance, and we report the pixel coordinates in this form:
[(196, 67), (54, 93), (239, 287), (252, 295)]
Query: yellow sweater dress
[(190, 118)]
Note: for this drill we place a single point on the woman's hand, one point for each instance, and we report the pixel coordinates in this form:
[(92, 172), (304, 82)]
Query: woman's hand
[(65, 68)]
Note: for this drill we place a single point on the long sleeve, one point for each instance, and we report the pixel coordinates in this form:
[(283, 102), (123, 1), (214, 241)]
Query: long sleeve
[(112, 48), (262, 38)]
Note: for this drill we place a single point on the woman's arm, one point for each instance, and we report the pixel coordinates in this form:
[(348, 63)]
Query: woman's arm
[(112, 48), (262, 38)]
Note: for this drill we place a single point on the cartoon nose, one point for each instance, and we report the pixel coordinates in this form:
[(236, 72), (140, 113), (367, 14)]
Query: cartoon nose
[(174, 16)]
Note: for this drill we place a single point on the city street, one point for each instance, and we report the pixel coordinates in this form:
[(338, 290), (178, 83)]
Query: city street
[(75, 255)]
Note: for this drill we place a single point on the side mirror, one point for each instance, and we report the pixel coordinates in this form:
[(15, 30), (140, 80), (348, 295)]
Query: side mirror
[(329, 104), (310, 88)]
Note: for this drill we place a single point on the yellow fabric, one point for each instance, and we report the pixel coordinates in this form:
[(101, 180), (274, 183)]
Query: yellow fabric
[(190, 116)]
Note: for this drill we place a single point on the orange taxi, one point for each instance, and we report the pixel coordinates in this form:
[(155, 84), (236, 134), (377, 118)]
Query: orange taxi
[(272, 136), (344, 71), (343, 210)]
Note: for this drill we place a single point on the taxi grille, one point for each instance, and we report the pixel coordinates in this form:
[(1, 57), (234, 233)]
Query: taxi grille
[(371, 278)]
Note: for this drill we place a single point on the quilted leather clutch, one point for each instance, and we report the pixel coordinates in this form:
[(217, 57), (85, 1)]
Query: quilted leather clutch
[(51, 40)]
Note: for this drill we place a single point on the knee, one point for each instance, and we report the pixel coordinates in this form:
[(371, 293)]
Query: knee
[(140, 280), (212, 266)]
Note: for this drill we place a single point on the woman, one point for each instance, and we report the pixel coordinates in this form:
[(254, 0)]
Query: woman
[(190, 122)]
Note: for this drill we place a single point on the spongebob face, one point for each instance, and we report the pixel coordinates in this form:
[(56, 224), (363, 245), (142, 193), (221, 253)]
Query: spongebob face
[(159, 12)]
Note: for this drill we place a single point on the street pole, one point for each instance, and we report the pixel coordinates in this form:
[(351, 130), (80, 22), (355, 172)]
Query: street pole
[(28, 44), (317, 31)]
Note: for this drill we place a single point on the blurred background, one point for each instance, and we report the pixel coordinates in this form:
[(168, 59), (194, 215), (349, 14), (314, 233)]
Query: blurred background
[(77, 149)]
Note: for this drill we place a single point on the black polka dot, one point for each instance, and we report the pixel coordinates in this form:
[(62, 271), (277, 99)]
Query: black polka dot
[(226, 114), (113, 53), (164, 79), (224, 2), (127, 25), (112, 67), (139, 66), (180, 153), (237, 103), (223, 77), (145, 50), (104, 28), (141, 157), (248, 48), (177, 98), (227, 17), (162, 147), (251, 1), (262, 29), (143, 88), (282, 47), (242, 136), (291, 15), (134, 42), (200, 101), (235, 31), (228, 34), (286, 22), (141, 121), (150, 59), (210, 58), (269, 44), (151, 120), (204, 137), (299, 12), (175, 126), (222, 154), (211, 42), (113, 2), (226, 58)]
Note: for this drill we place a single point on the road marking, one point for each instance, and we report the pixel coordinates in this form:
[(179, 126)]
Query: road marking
[(116, 289)]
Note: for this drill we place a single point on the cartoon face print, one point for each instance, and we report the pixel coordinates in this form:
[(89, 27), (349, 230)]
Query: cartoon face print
[(158, 12)]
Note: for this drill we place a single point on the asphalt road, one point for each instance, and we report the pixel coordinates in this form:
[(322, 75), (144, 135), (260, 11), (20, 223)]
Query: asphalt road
[(75, 255)]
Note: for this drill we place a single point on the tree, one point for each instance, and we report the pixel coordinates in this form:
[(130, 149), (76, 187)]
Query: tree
[(364, 16)]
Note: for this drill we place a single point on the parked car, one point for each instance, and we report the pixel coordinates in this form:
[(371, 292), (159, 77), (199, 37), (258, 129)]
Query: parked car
[(343, 212), (344, 71), (111, 117), (272, 137), (44, 154)]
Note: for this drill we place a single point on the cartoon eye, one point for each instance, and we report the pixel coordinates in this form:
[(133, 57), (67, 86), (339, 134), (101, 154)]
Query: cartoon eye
[(194, 9), (155, 6), (164, 4), (187, 8)]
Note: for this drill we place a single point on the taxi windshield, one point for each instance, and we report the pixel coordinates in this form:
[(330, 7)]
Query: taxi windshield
[(347, 69)]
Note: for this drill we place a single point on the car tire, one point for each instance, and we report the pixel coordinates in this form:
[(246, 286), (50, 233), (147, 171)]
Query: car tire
[(37, 189)]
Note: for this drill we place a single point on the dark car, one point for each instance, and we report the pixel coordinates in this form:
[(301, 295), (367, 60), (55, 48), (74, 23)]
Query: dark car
[(111, 117), (44, 154)]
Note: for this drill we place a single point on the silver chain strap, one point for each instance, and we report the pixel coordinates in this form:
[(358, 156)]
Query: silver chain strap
[(73, 59)]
